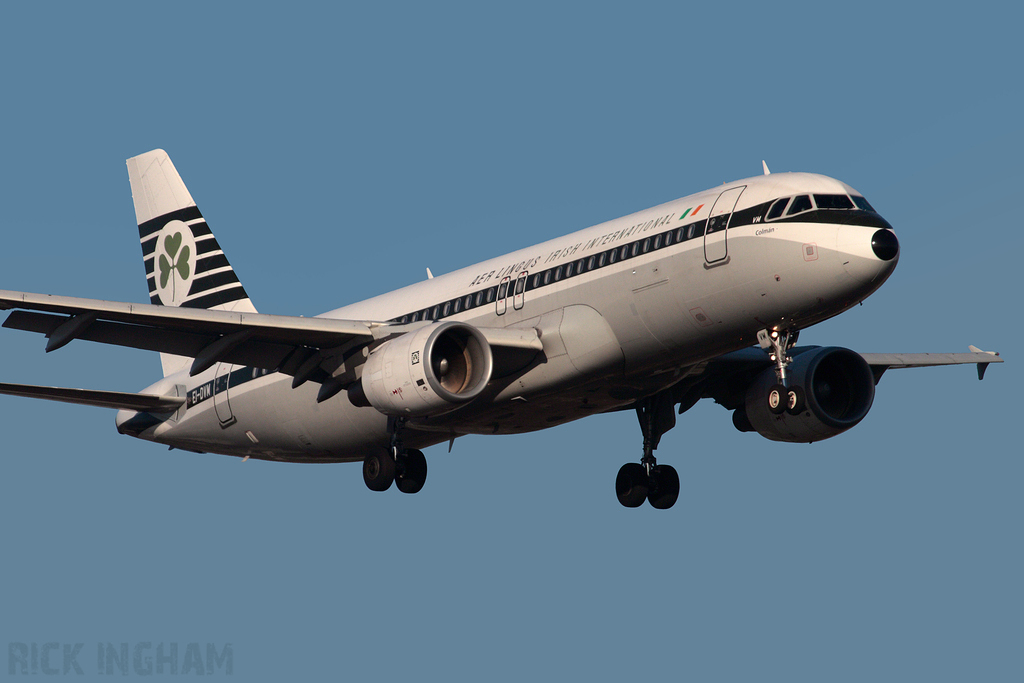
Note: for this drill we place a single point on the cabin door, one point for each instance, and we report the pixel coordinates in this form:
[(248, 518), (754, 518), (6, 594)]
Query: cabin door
[(716, 245), (221, 401)]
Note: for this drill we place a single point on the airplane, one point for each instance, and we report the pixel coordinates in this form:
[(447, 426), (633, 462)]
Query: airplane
[(701, 297)]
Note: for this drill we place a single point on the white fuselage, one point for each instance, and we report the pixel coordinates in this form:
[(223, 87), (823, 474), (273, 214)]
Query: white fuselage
[(630, 324)]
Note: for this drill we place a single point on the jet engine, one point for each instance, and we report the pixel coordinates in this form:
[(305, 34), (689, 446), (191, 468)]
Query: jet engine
[(838, 387), (430, 371)]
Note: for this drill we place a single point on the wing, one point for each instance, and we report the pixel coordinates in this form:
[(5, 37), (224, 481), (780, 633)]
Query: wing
[(102, 399), (306, 348), (880, 362), (726, 377)]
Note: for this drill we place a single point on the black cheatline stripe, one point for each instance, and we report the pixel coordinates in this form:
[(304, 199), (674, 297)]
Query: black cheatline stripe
[(206, 246), (152, 285), (236, 378), (222, 297), (200, 229), (154, 298), (212, 263), (189, 213), (149, 265), (202, 284), (597, 260)]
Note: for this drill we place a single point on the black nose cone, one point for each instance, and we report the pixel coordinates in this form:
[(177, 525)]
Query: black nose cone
[(885, 245)]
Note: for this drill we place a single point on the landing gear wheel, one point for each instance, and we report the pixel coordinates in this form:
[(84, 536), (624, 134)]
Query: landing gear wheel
[(795, 401), (664, 487), (631, 485), (777, 399), (411, 471), (379, 471)]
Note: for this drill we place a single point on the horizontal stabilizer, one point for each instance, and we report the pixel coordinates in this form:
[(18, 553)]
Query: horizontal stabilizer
[(102, 399)]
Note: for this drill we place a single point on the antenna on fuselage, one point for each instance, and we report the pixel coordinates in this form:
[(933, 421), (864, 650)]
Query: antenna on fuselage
[(764, 164), (430, 276)]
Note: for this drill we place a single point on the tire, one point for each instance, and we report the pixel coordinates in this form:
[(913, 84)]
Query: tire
[(776, 399), (664, 487), (411, 471), (379, 471), (795, 402), (631, 485)]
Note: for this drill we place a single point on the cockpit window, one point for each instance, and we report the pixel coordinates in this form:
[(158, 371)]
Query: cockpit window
[(777, 208), (799, 205), (833, 201), (863, 204)]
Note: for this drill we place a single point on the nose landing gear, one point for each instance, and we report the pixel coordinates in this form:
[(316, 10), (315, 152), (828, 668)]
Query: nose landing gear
[(782, 398), (647, 480)]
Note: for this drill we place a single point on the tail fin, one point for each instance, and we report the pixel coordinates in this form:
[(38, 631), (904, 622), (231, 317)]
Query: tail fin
[(185, 265)]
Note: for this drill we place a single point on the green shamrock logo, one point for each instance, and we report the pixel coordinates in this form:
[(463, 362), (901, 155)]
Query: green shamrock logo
[(178, 261)]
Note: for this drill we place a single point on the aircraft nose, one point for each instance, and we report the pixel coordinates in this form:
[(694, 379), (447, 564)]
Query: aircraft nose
[(868, 255), (885, 245)]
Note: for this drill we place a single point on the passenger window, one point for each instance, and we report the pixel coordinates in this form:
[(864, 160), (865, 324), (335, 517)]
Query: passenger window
[(646, 245), (668, 238), (490, 294), (458, 306), (535, 283), (624, 252), (681, 234), (657, 242), (447, 309), (479, 297), (404, 319), (634, 249), (436, 312), (613, 256), (558, 273), (568, 269), (602, 259), (590, 262), (547, 277), (416, 317), (799, 205), (581, 267), (778, 206), (832, 202), (691, 231)]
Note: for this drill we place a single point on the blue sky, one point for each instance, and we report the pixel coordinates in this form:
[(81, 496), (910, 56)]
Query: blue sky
[(337, 151)]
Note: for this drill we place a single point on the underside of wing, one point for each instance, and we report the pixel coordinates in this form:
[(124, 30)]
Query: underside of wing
[(271, 342), (305, 348), (880, 362), (101, 399)]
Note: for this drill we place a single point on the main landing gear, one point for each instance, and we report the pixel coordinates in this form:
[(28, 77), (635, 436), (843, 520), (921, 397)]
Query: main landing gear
[(406, 467), (782, 398), (647, 480)]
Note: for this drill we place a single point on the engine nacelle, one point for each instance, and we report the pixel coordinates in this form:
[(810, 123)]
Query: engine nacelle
[(839, 388), (430, 371)]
